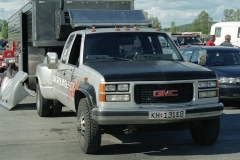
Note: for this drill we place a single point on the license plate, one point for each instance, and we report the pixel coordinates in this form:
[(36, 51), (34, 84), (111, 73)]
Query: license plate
[(166, 114)]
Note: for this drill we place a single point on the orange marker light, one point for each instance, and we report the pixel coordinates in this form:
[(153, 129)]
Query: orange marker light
[(158, 29), (93, 30), (126, 28), (117, 29), (136, 28), (102, 88), (102, 98), (85, 79)]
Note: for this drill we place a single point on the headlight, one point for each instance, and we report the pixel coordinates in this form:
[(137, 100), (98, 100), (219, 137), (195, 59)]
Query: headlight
[(117, 98), (229, 80), (207, 84), (207, 94), (110, 87), (116, 87), (106, 93), (122, 87)]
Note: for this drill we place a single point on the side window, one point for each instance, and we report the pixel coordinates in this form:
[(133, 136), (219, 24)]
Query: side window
[(66, 49), (218, 31), (168, 47), (238, 32), (75, 51)]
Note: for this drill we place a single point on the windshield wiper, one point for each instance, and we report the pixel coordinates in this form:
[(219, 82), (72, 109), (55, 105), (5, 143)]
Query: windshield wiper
[(118, 58), (105, 58)]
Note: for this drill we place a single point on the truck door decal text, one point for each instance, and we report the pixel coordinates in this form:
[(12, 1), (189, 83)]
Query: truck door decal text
[(71, 86), (72, 90)]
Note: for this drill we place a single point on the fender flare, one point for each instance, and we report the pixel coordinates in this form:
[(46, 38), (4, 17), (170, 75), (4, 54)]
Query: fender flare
[(89, 94)]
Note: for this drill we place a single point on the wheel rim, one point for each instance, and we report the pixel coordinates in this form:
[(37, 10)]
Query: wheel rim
[(81, 126)]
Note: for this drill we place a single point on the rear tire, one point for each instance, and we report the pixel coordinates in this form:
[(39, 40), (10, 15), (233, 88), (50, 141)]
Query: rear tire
[(89, 132), (206, 132), (56, 108), (42, 104)]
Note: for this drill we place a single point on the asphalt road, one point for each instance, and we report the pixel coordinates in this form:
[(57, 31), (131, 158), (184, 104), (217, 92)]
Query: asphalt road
[(26, 136)]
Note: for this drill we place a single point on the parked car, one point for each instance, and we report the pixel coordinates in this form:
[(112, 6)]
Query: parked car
[(2, 43), (176, 42), (185, 40), (224, 61)]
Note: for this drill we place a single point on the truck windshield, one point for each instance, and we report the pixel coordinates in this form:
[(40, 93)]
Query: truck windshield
[(129, 46)]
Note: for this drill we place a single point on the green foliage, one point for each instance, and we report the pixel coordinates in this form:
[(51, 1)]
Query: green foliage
[(4, 29), (173, 28), (1, 24), (231, 15), (156, 23), (202, 23)]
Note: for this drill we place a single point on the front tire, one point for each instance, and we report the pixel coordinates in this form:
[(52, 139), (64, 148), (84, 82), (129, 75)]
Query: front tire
[(56, 108), (42, 104), (206, 131), (89, 132)]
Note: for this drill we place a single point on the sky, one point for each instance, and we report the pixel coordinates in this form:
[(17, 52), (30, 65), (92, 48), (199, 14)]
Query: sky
[(180, 11)]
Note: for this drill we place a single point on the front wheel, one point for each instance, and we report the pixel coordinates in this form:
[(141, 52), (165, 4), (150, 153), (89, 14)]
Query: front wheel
[(89, 132), (206, 131), (43, 105), (56, 108)]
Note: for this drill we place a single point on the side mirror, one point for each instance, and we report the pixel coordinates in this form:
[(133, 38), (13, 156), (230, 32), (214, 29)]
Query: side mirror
[(52, 60), (202, 57)]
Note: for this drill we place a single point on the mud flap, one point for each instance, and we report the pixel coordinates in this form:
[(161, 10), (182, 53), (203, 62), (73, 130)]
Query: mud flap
[(13, 91)]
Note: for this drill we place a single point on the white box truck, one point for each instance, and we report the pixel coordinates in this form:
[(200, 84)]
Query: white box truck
[(220, 30)]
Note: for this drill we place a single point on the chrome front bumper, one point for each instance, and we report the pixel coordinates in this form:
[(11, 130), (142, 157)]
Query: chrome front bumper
[(141, 115)]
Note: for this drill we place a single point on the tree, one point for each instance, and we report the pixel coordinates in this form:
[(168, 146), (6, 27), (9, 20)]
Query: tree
[(229, 15), (237, 15), (155, 21), (4, 30), (202, 23), (173, 28), (1, 24)]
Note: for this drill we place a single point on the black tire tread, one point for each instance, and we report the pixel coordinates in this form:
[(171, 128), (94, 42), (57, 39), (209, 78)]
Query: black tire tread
[(56, 108), (92, 141), (209, 132), (44, 108)]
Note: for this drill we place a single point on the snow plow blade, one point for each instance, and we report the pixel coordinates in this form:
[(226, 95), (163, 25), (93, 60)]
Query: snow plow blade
[(13, 91)]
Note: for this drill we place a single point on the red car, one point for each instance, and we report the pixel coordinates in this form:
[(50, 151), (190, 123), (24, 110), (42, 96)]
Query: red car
[(185, 40)]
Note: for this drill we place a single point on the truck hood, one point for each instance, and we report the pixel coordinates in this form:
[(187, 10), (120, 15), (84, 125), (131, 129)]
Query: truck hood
[(150, 70), (226, 71)]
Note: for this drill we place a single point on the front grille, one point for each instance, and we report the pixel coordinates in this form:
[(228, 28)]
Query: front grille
[(144, 93)]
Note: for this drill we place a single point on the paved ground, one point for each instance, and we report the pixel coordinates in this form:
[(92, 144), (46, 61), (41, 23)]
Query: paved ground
[(26, 136)]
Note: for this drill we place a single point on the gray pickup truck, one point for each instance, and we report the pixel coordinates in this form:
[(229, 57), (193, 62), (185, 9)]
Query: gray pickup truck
[(129, 77), (115, 74)]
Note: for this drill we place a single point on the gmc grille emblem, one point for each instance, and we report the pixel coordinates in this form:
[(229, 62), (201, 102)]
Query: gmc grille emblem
[(163, 93)]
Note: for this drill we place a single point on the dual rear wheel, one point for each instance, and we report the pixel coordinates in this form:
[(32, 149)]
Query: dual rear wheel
[(45, 107)]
